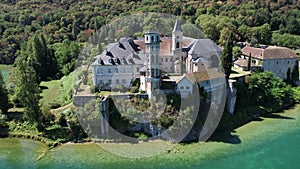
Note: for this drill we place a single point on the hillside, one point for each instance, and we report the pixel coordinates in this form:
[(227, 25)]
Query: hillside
[(76, 20)]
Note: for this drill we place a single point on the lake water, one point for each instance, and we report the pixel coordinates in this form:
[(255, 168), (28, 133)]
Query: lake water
[(270, 143)]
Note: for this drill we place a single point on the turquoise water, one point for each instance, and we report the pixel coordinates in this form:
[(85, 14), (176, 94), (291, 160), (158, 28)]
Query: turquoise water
[(271, 143), (281, 152)]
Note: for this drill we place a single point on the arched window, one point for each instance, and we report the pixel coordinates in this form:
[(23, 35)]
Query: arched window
[(177, 44), (152, 38)]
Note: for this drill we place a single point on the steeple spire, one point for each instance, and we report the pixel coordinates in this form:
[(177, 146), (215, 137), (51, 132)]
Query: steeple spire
[(177, 26)]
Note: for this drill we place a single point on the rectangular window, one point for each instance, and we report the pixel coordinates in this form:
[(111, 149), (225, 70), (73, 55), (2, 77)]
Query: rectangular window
[(187, 87), (100, 71), (116, 70), (181, 87), (162, 59), (109, 70), (137, 69), (166, 59), (123, 81)]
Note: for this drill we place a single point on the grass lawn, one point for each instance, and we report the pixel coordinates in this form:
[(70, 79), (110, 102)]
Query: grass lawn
[(59, 91), (51, 92), (5, 69)]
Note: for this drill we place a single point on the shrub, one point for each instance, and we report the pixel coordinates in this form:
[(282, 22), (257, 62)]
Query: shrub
[(134, 89), (94, 89)]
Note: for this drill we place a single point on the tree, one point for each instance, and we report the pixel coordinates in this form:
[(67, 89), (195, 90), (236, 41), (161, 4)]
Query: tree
[(288, 76), (27, 90), (226, 57), (249, 62), (3, 96), (39, 56), (269, 91), (295, 74), (66, 54), (75, 29)]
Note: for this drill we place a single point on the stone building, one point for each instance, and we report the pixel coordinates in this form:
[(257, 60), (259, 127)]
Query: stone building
[(279, 60), (126, 60)]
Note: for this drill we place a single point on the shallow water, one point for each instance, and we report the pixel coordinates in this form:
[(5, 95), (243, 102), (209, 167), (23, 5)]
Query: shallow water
[(271, 143)]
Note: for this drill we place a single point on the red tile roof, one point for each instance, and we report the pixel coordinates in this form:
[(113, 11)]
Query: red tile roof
[(271, 52)]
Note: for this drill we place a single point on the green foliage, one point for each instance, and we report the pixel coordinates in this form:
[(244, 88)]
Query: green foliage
[(76, 20), (296, 95), (56, 93), (226, 57), (287, 40), (249, 62), (66, 54), (90, 118), (94, 89), (256, 35), (39, 56), (2, 120), (27, 90), (4, 105), (270, 92), (134, 89)]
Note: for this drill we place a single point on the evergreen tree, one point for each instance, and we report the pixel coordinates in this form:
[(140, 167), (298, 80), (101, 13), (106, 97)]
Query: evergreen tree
[(288, 76), (27, 90), (249, 62), (39, 57), (3, 96), (295, 74), (226, 57), (75, 29)]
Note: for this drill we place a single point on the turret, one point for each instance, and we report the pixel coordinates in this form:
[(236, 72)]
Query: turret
[(153, 73)]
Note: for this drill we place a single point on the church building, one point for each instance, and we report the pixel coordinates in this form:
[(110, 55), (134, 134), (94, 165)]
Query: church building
[(150, 57)]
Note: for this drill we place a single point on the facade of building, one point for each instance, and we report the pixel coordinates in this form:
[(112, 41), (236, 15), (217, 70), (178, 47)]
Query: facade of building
[(211, 80), (149, 57), (279, 60)]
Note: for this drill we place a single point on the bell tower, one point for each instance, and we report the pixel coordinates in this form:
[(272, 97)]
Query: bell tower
[(153, 73), (177, 36)]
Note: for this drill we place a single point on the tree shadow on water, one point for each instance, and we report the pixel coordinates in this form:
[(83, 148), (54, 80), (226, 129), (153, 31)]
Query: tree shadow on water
[(277, 116), (228, 135), (225, 136)]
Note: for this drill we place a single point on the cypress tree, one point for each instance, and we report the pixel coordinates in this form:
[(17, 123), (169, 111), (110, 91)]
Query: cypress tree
[(249, 62), (3, 96), (27, 89), (226, 57)]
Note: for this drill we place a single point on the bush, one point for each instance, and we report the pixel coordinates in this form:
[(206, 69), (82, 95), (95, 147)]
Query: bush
[(134, 89), (94, 89)]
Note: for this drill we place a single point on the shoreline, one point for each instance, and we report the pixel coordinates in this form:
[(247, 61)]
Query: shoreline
[(255, 135), (232, 128)]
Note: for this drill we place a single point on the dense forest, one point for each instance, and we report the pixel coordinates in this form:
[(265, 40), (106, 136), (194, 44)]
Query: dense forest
[(62, 22)]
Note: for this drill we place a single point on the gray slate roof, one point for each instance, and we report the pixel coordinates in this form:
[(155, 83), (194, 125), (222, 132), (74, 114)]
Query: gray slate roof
[(204, 47), (177, 27), (122, 52)]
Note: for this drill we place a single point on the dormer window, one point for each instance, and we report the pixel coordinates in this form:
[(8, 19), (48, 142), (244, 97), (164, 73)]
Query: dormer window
[(123, 60)]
